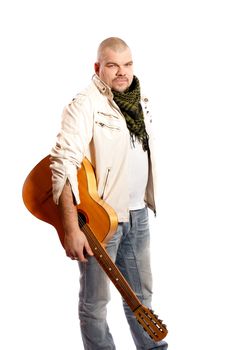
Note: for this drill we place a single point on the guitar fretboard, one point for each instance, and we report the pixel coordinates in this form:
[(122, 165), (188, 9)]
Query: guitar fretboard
[(111, 269)]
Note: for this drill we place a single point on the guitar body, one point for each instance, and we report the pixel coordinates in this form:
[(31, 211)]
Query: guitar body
[(37, 197), (98, 221)]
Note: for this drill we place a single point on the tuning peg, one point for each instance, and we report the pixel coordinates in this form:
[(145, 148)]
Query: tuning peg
[(154, 313)]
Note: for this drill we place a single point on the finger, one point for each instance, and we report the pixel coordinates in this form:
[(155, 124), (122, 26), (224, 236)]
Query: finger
[(88, 249), (82, 258), (71, 255)]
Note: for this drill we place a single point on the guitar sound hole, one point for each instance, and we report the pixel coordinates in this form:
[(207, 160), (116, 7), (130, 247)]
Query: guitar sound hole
[(82, 220)]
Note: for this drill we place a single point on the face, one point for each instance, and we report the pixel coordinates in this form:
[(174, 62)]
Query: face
[(116, 69)]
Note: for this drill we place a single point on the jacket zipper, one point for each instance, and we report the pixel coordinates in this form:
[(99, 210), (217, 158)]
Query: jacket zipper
[(107, 126), (105, 182), (108, 115)]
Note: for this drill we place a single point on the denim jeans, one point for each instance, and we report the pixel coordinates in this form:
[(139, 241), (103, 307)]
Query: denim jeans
[(130, 250)]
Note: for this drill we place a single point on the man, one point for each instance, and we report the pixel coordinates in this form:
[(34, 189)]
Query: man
[(110, 124)]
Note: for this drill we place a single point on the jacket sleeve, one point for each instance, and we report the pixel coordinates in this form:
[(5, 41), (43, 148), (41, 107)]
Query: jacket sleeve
[(71, 145)]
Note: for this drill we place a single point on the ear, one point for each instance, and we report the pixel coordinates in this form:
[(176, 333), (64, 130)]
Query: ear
[(97, 68)]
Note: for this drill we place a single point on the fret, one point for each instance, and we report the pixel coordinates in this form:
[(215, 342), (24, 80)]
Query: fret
[(111, 269)]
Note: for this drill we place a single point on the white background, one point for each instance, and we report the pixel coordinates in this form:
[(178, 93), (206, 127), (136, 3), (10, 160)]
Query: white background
[(183, 56)]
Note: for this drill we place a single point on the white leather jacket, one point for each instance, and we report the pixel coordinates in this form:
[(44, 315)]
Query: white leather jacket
[(94, 127)]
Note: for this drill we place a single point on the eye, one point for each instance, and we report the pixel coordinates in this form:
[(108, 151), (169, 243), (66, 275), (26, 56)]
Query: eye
[(111, 65)]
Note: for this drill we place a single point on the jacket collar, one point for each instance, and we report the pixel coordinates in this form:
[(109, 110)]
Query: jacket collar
[(102, 86)]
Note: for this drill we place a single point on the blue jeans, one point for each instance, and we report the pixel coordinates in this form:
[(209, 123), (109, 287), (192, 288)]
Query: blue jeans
[(130, 249)]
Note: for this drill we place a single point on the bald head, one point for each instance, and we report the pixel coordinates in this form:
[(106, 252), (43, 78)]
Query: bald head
[(113, 43)]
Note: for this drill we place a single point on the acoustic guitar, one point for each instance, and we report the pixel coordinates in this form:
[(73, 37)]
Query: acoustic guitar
[(98, 221)]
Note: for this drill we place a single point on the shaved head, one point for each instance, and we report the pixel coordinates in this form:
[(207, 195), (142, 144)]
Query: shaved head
[(113, 43)]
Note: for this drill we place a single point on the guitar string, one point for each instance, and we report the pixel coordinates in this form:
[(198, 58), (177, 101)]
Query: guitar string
[(135, 303), (133, 300), (111, 269), (148, 324)]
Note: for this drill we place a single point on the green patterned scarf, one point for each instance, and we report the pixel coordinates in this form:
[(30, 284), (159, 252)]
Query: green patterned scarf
[(129, 104)]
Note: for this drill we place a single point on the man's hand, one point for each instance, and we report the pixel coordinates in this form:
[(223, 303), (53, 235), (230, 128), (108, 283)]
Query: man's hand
[(75, 242), (76, 246)]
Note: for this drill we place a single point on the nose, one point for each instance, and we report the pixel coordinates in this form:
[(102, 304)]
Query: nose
[(121, 71)]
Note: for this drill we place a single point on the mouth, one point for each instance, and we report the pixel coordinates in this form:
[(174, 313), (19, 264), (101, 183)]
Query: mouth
[(121, 80)]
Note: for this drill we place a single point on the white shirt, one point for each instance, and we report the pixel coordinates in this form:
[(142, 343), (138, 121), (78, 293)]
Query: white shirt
[(138, 176)]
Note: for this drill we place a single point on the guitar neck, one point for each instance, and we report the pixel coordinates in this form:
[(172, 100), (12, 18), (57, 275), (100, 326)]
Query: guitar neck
[(111, 269)]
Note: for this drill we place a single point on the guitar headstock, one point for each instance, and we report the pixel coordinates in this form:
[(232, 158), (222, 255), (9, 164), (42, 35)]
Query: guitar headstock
[(151, 323)]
